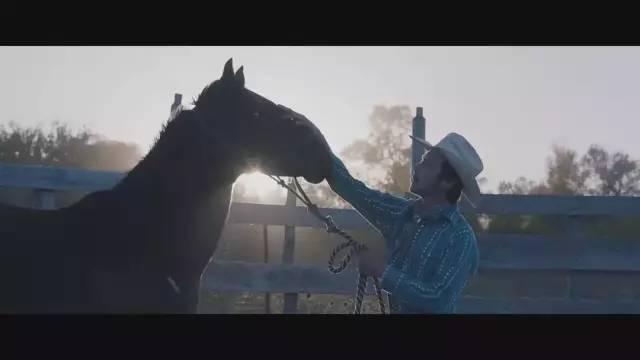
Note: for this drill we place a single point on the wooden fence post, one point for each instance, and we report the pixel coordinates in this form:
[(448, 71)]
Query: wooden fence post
[(45, 199), (416, 150), (290, 299), (177, 101), (575, 236), (267, 295), (418, 132)]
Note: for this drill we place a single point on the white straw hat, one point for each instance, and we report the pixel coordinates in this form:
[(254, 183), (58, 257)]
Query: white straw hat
[(463, 158)]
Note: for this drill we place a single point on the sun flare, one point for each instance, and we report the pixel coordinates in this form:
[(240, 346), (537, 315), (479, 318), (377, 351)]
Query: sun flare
[(257, 184)]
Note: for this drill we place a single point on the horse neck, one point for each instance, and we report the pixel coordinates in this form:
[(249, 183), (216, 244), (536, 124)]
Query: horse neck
[(179, 170)]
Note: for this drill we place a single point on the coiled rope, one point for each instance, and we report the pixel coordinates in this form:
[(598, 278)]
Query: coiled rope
[(354, 247)]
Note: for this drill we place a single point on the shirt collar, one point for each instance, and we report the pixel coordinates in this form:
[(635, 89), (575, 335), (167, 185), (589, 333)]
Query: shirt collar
[(447, 212)]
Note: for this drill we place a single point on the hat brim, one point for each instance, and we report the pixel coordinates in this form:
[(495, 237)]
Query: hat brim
[(471, 189)]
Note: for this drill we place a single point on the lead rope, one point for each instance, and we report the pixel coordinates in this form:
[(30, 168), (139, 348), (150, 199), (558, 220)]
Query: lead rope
[(355, 248)]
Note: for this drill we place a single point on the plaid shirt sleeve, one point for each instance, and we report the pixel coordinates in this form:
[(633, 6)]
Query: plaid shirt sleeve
[(380, 209)]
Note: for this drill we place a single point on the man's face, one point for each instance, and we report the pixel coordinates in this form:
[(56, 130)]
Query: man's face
[(425, 176)]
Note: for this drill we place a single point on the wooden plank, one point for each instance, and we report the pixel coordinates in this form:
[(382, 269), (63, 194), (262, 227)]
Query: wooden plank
[(556, 205), (57, 178), (66, 179), (535, 252), (503, 204), (470, 305), (283, 278), (246, 213)]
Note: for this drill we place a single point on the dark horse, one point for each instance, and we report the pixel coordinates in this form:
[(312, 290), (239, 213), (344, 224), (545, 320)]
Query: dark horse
[(142, 246)]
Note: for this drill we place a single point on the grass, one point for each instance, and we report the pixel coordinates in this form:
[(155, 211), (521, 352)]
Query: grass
[(249, 303)]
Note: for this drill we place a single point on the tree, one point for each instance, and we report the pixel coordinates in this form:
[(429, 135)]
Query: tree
[(323, 196), (62, 147), (387, 150), (565, 176), (516, 223), (597, 173), (615, 174), (521, 186), (385, 156)]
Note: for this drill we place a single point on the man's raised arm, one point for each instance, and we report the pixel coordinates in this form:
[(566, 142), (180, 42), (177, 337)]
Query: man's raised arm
[(382, 210)]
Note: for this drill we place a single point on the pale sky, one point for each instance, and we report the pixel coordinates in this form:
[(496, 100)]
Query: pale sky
[(512, 103)]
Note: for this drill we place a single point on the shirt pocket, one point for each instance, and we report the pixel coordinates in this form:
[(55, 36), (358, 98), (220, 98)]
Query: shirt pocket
[(433, 263), (403, 238)]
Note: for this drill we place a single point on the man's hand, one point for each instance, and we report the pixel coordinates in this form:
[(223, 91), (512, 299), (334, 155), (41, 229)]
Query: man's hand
[(372, 263)]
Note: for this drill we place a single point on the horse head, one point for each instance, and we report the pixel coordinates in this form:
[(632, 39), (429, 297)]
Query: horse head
[(259, 133)]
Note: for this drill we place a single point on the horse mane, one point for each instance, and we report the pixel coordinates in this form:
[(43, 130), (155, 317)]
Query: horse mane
[(176, 116), (171, 158)]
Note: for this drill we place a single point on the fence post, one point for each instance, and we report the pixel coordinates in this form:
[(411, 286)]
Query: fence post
[(575, 236), (45, 199), (177, 101), (418, 132), (290, 299), (416, 150), (267, 295)]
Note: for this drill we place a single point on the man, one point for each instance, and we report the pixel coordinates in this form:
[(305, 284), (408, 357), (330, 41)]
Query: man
[(432, 249)]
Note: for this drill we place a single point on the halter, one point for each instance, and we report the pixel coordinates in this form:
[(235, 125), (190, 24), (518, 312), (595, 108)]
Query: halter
[(355, 247)]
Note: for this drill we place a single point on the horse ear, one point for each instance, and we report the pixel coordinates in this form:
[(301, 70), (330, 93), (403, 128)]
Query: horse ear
[(227, 73), (240, 76)]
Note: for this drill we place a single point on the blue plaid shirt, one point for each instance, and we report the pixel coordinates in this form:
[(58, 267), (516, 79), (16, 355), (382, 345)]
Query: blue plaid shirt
[(432, 256)]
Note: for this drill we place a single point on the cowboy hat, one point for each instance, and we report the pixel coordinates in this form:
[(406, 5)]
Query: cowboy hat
[(463, 158)]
